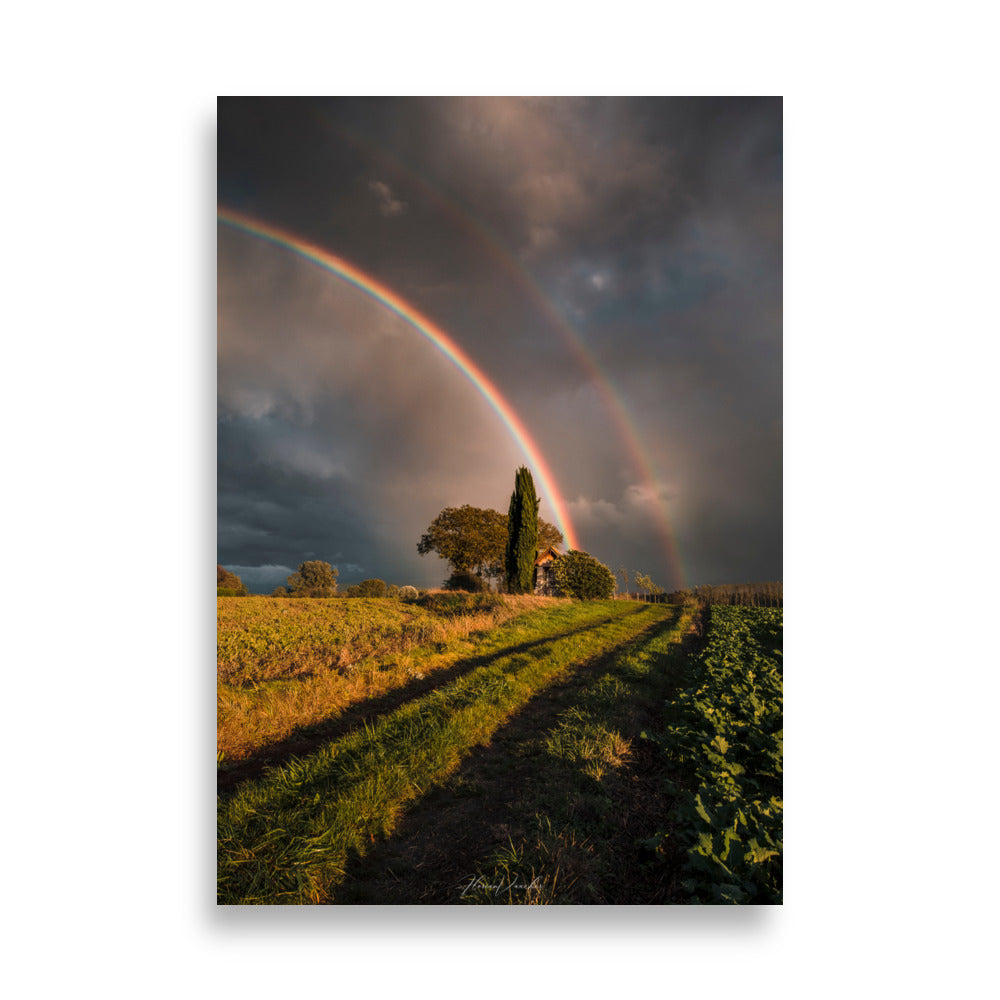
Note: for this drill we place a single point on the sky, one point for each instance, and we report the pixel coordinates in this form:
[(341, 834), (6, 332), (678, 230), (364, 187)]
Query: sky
[(606, 274)]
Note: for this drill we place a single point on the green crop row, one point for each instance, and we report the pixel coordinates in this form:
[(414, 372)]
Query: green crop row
[(723, 742)]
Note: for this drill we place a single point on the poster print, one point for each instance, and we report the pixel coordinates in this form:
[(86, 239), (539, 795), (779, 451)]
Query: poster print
[(499, 500)]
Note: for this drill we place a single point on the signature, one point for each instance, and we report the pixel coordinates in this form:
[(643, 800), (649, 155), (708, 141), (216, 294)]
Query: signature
[(478, 882)]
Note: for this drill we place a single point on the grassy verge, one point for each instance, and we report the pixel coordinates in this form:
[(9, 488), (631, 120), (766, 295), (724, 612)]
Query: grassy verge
[(288, 837)]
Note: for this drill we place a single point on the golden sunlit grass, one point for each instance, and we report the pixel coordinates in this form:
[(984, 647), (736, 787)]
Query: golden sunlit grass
[(288, 664)]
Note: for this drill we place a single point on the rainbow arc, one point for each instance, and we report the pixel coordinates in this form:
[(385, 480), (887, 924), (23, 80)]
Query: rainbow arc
[(370, 286)]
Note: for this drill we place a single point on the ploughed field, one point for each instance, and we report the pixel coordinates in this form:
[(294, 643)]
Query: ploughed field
[(485, 749)]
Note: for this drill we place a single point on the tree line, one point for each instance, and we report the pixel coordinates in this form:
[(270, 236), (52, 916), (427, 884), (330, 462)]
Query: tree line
[(317, 579), (754, 595)]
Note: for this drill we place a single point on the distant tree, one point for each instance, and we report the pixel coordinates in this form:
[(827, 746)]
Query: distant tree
[(522, 534), (228, 584), (371, 588), (408, 593), (548, 534), (623, 573), (313, 579), (580, 575), (645, 581)]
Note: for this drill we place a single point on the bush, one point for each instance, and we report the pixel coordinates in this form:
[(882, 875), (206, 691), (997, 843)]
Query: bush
[(370, 588), (452, 603), (466, 581), (408, 593), (580, 575)]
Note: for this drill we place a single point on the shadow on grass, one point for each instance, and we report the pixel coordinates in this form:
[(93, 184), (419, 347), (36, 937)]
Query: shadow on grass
[(306, 739), (512, 815)]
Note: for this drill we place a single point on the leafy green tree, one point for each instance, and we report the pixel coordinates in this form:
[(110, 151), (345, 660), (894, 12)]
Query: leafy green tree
[(548, 534), (471, 539), (371, 588), (580, 575), (522, 534), (313, 579)]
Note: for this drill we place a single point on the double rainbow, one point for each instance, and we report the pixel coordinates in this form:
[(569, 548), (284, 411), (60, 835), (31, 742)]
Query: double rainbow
[(370, 286), (502, 258)]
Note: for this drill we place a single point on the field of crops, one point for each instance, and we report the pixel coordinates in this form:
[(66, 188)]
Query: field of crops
[(723, 743), (496, 750)]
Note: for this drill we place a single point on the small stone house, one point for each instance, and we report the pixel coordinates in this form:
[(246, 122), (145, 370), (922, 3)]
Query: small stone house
[(545, 564)]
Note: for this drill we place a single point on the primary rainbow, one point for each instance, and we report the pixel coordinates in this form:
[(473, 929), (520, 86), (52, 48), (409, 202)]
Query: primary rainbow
[(367, 284), (612, 401)]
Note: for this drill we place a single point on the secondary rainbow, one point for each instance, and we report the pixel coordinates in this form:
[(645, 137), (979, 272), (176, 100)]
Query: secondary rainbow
[(391, 300), (613, 403)]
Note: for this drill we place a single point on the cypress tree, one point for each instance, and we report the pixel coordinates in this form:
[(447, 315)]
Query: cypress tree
[(522, 534)]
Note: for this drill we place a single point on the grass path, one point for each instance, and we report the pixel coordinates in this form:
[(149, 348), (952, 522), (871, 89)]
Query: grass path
[(561, 807), (290, 836)]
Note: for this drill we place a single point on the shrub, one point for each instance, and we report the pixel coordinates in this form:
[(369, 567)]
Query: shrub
[(408, 593), (466, 581), (452, 603), (370, 588), (580, 575)]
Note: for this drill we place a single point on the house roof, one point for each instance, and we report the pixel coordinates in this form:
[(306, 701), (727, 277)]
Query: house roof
[(544, 555)]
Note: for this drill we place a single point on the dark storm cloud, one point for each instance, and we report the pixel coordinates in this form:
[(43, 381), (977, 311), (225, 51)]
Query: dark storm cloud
[(651, 226)]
